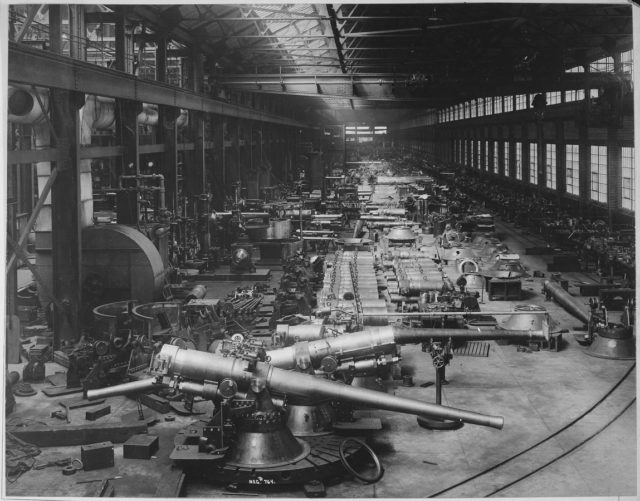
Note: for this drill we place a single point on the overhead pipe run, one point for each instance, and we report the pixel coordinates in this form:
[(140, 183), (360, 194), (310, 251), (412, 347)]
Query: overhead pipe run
[(100, 112), (148, 115)]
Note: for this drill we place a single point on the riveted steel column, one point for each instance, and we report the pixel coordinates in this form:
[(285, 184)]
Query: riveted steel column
[(66, 235), (65, 203)]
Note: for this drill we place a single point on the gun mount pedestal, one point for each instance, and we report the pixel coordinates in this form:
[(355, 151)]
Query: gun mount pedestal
[(248, 442), (439, 424)]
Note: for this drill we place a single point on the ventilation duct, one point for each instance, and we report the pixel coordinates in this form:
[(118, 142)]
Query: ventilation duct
[(24, 108)]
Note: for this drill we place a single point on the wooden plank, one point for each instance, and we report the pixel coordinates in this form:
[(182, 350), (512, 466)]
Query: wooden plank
[(58, 436)]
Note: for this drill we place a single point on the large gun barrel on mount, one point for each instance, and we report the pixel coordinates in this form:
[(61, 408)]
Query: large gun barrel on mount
[(567, 301), (207, 373), (382, 341)]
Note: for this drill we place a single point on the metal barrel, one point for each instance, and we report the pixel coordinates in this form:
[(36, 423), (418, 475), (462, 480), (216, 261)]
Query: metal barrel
[(141, 386), (567, 301), (294, 383), (198, 292), (198, 366), (355, 344), (382, 340), (417, 335)]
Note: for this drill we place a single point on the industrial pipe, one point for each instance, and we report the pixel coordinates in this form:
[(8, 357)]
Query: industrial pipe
[(148, 115), (201, 367), (567, 301), (23, 106), (160, 188)]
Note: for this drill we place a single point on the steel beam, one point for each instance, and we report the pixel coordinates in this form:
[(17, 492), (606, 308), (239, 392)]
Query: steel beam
[(37, 67), (33, 10), (385, 86), (34, 215), (34, 271)]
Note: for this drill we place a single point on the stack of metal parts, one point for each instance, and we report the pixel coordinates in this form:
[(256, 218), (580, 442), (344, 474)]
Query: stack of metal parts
[(351, 288), (418, 275)]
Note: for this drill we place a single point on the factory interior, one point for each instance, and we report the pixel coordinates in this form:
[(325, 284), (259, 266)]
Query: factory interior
[(320, 250)]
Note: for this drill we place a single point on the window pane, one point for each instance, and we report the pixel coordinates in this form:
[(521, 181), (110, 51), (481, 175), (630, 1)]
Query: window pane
[(533, 163), (550, 166), (573, 168), (599, 173), (506, 159), (628, 179)]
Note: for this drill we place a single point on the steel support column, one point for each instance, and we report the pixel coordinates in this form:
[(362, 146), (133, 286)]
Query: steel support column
[(194, 170), (168, 135), (161, 60), (66, 234)]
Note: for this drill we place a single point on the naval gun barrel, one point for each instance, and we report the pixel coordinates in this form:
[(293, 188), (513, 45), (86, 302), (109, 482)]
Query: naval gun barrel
[(205, 368), (381, 340), (567, 301)]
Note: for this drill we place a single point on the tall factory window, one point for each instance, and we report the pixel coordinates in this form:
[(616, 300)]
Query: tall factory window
[(573, 168), (533, 163), (599, 173), (467, 109), (531, 98), (628, 178), (507, 168), (497, 104), (479, 155), (554, 97), (481, 106), (605, 64), (488, 106), (473, 108), (486, 155), (472, 153), (463, 160), (550, 164), (519, 161), (521, 102), (508, 103), (626, 61), (496, 157), (574, 95)]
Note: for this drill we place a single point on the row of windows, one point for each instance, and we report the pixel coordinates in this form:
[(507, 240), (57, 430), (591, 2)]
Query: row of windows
[(485, 106), (472, 152), (351, 130), (481, 107)]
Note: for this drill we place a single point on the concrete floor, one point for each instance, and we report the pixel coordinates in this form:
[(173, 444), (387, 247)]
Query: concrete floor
[(537, 393)]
